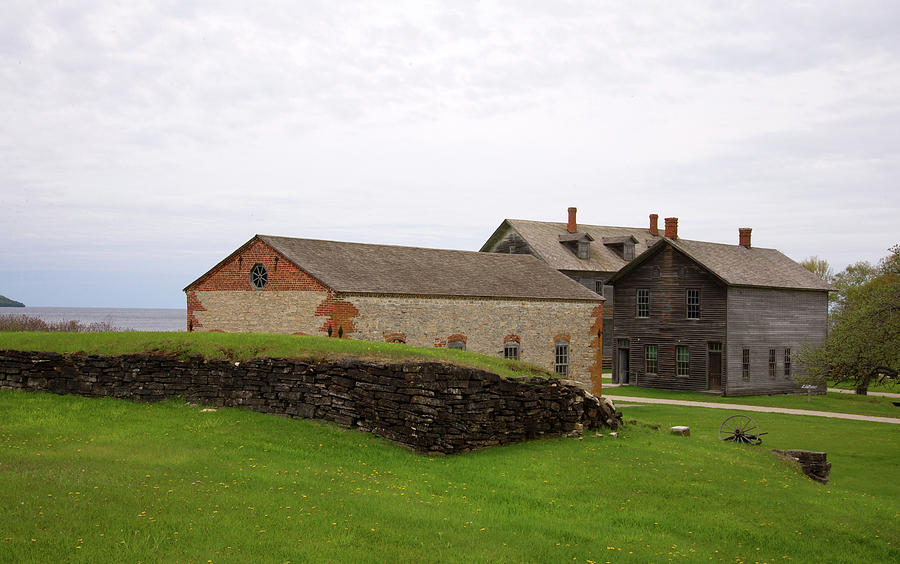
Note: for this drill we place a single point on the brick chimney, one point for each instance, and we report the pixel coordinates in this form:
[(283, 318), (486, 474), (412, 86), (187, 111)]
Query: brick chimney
[(654, 224), (572, 227), (744, 236), (672, 227)]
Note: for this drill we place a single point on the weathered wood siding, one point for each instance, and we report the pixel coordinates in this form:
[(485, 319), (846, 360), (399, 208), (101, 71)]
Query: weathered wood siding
[(761, 319), (668, 275), (512, 243)]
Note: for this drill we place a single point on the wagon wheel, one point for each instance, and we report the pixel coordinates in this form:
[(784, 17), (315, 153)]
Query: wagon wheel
[(740, 429)]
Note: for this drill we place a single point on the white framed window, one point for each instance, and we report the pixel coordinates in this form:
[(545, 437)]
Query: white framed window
[(643, 303), (561, 364), (652, 356), (682, 361), (511, 350), (692, 299)]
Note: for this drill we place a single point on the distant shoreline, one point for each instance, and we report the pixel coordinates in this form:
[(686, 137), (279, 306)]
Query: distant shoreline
[(121, 319), (6, 302)]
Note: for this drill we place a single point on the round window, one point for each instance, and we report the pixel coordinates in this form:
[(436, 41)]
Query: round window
[(259, 276)]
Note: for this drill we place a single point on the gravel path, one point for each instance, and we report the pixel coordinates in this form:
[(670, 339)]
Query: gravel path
[(759, 408)]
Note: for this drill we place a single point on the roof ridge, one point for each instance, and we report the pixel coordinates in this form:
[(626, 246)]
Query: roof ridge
[(392, 246)]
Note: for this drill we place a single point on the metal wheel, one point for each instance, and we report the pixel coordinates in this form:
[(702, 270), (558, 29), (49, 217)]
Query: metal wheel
[(740, 429)]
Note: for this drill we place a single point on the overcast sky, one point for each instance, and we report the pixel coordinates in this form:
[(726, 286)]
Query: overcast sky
[(140, 143)]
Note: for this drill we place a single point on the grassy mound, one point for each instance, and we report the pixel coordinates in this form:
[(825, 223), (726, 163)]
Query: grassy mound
[(244, 346)]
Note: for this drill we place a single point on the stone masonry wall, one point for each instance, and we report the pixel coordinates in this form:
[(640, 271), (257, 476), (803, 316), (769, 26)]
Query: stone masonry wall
[(432, 408), (294, 302), (487, 324)]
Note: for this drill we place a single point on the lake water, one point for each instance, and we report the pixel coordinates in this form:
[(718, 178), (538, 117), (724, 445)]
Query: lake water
[(120, 318)]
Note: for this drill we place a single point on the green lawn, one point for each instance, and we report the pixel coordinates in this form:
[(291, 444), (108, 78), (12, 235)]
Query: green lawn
[(888, 385), (842, 403), (244, 346), (109, 480)]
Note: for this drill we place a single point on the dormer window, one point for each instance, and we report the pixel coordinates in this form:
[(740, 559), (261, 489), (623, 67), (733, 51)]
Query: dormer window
[(578, 243), (622, 246)]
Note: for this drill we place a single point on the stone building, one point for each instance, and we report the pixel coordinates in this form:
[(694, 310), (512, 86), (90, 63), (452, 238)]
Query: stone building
[(728, 319), (513, 306)]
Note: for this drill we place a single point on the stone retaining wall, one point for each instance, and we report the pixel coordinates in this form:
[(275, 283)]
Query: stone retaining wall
[(432, 408)]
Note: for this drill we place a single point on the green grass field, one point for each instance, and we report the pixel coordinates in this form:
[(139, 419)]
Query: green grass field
[(109, 480), (836, 402), (244, 346)]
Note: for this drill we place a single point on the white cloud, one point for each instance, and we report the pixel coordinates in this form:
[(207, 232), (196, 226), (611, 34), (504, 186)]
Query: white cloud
[(173, 131)]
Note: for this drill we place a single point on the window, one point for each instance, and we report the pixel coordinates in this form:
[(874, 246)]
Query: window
[(652, 354), (787, 362), (682, 361), (643, 303), (771, 363), (259, 276), (693, 303), (584, 249), (562, 358), (398, 338), (511, 351), (745, 364), (457, 344), (598, 286)]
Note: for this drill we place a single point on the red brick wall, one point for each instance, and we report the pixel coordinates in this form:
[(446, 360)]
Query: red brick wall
[(234, 275)]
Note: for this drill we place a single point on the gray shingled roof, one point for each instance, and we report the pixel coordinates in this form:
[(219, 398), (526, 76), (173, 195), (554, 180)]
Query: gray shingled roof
[(388, 269), (544, 238), (739, 266)]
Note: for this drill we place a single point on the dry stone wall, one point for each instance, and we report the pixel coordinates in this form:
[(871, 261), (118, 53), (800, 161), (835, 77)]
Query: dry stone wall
[(433, 408)]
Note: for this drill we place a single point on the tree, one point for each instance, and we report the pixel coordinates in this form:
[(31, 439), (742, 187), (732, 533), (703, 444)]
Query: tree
[(851, 278), (891, 263), (819, 267), (864, 341)]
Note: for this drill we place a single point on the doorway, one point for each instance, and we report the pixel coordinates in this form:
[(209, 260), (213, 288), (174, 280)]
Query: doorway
[(624, 357), (714, 366)]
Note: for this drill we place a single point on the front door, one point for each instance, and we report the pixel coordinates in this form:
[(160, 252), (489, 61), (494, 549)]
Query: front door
[(624, 361), (715, 366)]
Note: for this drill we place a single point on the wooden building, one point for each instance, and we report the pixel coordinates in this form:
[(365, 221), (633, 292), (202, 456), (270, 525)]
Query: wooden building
[(729, 319)]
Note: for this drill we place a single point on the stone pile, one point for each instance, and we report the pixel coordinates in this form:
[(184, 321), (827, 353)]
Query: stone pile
[(813, 464), (433, 408)]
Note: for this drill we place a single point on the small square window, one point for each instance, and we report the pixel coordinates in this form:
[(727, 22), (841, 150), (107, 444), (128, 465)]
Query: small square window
[(511, 351)]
